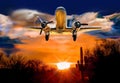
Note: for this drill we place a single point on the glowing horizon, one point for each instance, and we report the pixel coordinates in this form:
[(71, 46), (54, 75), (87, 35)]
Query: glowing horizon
[(63, 65)]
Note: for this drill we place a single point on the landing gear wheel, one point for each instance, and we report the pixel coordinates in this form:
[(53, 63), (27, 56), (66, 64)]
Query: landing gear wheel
[(47, 36), (74, 35)]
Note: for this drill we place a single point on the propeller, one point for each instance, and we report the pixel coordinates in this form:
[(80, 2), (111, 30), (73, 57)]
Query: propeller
[(41, 31), (43, 23), (39, 20)]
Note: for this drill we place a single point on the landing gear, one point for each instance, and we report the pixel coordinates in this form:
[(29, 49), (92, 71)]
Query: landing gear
[(74, 35), (47, 36)]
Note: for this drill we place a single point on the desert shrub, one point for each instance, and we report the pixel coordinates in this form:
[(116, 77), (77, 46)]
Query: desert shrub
[(105, 62), (3, 59), (16, 69)]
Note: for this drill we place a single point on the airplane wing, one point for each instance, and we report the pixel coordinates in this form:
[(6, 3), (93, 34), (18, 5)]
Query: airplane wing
[(53, 29), (35, 27), (91, 27), (69, 29)]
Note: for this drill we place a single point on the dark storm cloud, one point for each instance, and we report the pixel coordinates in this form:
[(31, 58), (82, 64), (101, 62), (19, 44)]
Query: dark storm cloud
[(8, 45)]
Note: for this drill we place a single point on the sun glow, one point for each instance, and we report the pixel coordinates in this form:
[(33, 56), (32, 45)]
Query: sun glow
[(63, 65)]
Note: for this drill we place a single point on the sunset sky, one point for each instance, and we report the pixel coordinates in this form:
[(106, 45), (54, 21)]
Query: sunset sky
[(60, 47), (41, 41)]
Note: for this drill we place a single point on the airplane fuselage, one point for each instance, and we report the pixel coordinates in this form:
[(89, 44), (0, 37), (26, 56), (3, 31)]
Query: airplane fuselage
[(60, 15)]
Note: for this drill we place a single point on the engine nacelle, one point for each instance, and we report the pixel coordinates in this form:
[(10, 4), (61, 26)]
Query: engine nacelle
[(77, 24)]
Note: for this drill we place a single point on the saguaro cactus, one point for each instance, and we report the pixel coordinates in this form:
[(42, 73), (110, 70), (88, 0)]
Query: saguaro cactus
[(80, 64)]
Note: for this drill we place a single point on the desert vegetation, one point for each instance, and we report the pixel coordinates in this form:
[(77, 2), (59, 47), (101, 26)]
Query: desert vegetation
[(103, 62), (100, 65)]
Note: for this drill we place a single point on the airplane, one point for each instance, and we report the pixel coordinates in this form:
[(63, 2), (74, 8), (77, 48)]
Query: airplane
[(61, 24)]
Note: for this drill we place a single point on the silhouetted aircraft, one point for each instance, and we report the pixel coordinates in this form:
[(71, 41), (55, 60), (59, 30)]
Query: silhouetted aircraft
[(62, 24)]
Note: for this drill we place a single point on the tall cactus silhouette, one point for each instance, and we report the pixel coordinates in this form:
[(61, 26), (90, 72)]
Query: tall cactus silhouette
[(80, 64)]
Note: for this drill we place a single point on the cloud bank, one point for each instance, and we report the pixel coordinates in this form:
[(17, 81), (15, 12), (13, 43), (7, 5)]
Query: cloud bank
[(28, 16)]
